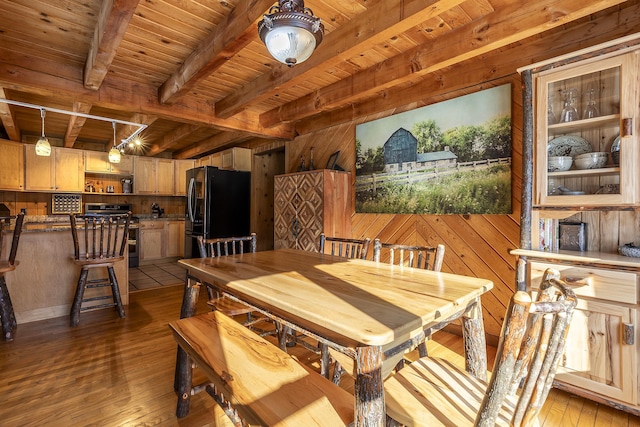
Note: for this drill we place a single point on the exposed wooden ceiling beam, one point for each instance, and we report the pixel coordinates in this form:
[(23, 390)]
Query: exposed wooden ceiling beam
[(493, 66), (171, 138), (8, 118), (498, 29), (57, 80), (112, 24), (75, 123), (380, 22), (215, 142), (228, 38)]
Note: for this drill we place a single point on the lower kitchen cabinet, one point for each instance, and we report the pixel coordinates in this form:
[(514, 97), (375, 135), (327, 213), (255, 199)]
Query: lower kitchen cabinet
[(174, 239), (600, 360), (152, 240)]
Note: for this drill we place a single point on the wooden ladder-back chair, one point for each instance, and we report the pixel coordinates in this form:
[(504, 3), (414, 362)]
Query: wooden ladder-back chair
[(426, 257), (8, 264), (346, 248), (223, 246), (433, 391), (103, 244)]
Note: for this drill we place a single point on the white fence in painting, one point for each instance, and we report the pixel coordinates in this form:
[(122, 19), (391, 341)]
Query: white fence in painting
[(370, 182)]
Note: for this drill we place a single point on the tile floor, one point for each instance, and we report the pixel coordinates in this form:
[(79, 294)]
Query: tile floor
[(153, 276)]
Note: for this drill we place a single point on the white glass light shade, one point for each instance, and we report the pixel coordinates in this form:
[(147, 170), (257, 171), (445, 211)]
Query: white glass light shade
[(43, 148), (290, 45), (114, 155)]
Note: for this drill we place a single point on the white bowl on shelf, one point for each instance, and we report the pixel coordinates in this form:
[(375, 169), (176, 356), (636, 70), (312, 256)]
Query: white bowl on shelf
[(595, 160), (559, 163)]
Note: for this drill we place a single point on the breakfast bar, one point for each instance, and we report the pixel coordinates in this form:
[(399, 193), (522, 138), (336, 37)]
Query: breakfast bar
[(353, 306)]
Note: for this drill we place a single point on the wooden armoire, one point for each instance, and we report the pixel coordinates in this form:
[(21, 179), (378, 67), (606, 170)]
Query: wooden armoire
[(307, 204)]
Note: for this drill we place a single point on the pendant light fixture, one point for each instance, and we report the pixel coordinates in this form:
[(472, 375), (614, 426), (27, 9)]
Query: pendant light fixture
[(43, 148), (114, 153), (290, 31)]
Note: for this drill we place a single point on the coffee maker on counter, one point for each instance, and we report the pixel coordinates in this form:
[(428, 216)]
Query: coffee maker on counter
[(156, 211), (127, 185)]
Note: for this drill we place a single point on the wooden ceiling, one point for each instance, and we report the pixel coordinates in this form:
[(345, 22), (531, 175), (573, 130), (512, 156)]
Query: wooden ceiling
[(196, 72)]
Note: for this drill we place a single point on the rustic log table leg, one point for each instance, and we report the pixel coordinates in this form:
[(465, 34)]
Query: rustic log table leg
[(184, 380), (6, 311), (369, 388), (188, 309), (475, 345)]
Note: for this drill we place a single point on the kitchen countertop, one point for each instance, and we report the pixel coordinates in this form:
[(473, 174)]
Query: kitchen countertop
[(50, 223)]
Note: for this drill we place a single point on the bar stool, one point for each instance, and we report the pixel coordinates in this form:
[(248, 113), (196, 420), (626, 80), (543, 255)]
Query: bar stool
[(6, 308), (105, 239)]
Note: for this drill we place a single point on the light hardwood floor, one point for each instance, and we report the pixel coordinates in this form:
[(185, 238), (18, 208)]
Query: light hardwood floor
[(119, 372)]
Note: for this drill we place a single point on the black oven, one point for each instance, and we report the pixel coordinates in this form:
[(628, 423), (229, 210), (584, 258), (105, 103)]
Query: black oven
[(134, 227)]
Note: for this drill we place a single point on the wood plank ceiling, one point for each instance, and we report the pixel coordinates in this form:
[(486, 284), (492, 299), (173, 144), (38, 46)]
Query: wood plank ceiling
[(197, 73)]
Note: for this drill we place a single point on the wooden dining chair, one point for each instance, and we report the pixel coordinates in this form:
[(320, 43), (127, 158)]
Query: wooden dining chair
[(102, 245), (6, 265), (426, 257), (212, 248), (433, 391), (343, 247)]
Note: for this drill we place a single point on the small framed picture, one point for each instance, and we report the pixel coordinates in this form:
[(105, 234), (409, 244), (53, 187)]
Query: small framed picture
[(573, 236), (333, 159)]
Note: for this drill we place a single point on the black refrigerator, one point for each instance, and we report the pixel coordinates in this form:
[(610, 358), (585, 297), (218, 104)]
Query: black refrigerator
[(218, 204)]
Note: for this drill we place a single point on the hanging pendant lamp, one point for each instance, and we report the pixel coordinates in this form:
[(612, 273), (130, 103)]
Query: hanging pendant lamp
[(114, 153), (290, 31), (43, 148)]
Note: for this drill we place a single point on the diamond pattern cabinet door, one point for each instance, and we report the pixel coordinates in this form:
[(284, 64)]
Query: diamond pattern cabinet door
[(309, 203)]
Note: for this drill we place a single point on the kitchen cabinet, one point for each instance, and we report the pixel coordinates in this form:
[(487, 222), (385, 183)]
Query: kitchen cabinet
[(152, 240), (11, 166), (153, 176), (174, 239), (236, 158), (307, 204), (62, 171), (181, 168), (98, 162), (598, 207)]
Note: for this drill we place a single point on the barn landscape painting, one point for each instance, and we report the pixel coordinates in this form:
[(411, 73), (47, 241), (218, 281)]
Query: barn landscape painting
[(453, 157)]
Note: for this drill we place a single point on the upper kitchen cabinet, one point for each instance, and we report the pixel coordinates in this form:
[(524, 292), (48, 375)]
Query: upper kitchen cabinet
[(98, 162), (586, 144), (11, 166), (181, 168), (154, 176), (236, 158), (62, 171)]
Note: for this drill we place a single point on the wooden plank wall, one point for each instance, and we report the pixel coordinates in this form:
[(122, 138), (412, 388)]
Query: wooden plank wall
[(476, 245)]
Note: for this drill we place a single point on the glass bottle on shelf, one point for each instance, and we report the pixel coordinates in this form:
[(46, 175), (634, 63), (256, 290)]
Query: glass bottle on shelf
[(312, 166)]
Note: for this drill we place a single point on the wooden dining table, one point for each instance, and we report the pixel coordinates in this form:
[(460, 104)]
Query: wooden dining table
[(354, 306)]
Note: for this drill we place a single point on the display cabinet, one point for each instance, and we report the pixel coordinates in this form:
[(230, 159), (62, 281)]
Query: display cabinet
[(586, 151)]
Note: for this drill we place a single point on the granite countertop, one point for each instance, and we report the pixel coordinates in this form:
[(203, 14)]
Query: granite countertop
[(47, 223)]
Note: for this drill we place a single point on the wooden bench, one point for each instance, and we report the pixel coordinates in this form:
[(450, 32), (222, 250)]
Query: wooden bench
[(255, 381)]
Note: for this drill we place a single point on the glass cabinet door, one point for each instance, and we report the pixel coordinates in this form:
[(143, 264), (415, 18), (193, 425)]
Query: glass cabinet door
[(585, 150)]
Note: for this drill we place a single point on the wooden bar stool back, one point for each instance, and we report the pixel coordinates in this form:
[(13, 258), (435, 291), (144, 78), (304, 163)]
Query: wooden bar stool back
[(103, 244), (433, 391), (8, 264), (223, 246), (343, 247)]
